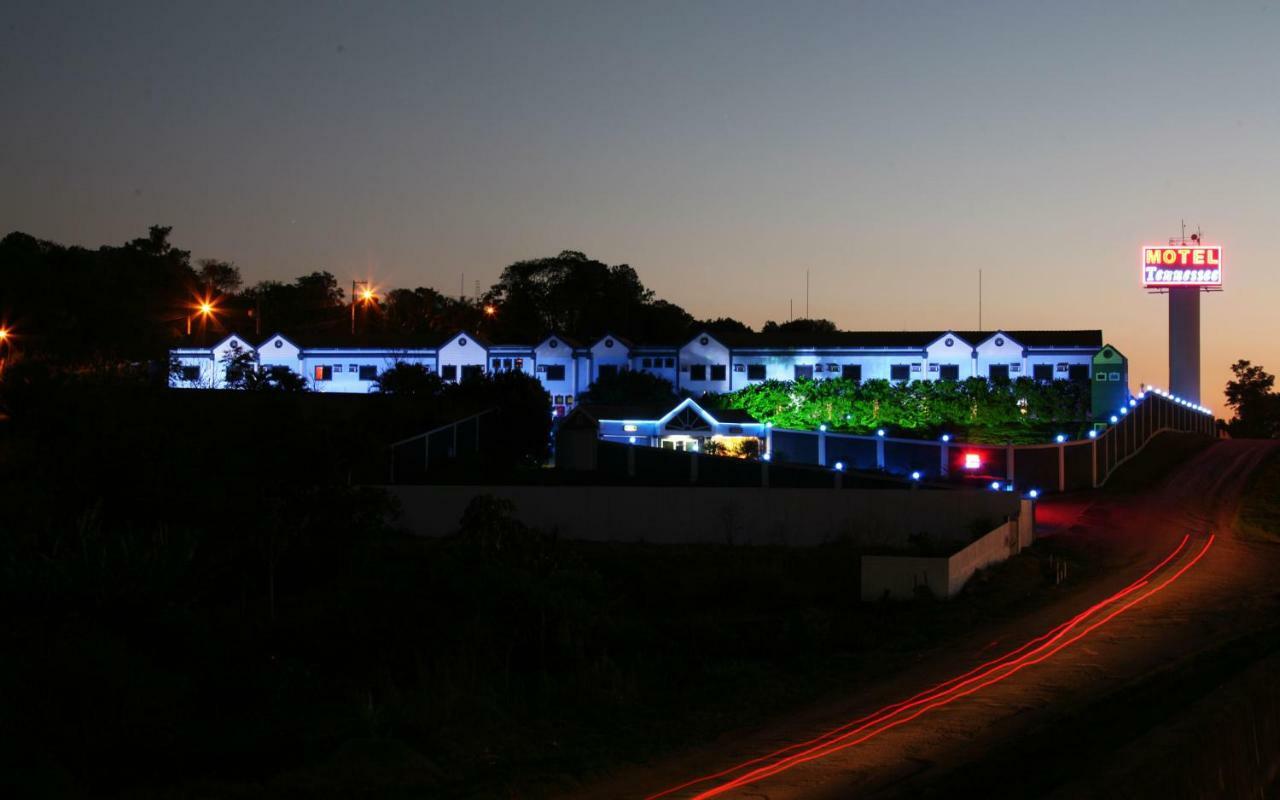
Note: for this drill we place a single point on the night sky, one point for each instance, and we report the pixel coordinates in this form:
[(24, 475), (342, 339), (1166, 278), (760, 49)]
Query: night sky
[(892, 149)]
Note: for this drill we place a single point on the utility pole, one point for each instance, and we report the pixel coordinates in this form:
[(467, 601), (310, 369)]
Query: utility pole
[(979, 299)]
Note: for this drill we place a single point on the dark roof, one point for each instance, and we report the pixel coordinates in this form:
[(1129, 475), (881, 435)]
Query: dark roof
[(871, 339), (654, 411)]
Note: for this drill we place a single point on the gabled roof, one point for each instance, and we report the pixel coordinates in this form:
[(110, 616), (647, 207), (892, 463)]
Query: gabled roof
[(571, 343), (622, 340), (661, 413)]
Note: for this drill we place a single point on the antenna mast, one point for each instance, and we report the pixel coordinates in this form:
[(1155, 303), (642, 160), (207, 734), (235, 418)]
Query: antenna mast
[(979, 299)]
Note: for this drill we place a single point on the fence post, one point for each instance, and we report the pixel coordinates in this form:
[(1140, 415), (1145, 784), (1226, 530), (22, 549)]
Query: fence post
[(1093, 460), (1062, 467), (822, 447), (944, 465), (879, 452), (1008, 463)]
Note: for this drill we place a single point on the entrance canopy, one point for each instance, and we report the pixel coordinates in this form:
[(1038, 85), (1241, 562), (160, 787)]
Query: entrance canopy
[(687, 420)]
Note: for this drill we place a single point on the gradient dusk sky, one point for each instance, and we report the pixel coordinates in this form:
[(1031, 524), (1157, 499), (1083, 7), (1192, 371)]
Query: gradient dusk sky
[(722, 149)]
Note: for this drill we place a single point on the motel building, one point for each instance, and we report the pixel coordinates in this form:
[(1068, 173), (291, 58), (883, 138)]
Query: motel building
[(706, 362)]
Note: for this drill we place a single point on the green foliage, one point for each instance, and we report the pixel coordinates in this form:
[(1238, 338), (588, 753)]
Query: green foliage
[(978, 409)]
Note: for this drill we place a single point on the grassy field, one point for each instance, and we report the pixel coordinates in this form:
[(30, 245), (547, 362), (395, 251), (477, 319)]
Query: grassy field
[(1259, 515)]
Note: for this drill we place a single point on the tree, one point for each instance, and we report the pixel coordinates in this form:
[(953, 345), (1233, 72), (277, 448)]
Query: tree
[(221, 277), (573, 293), (725, 325), (630, 386), (410, 380), (800, 326), (1256, 406), (244, 372)]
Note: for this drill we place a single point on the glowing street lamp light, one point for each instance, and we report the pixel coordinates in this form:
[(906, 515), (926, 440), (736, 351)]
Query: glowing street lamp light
[(366, 293), (490, 310), (204, 308)]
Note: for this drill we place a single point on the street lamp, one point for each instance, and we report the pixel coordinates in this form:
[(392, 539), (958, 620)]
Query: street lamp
[(204, 308), (365, 292)]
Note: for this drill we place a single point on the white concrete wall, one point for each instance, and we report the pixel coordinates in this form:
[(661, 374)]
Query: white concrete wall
[(899, 576), (704, 350), (462, 351), (1000, 349), (958, 352), (608, 352)]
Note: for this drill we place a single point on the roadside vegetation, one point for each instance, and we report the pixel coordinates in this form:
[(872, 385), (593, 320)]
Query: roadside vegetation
[(1259, 515), (976, 410)]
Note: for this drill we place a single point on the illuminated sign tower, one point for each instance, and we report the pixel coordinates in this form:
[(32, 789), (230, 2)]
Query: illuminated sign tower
[(1183, 269)]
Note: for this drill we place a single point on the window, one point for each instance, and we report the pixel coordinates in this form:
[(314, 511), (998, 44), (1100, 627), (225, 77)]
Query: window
[(718, 372), (899, 372), (368, 373), (698, 372), (353, 367), (324, 373), (506, 363), (337, 368), (559, 399), (998, 372), (568, 399), (949, 372), (851, 372), (803, 372), (472, 371), (647, 363), (449, 372), (608, 370), (671, 363), (1102, 377), (191, 373), (1042, 372), (555, 372), (1115, 377), (755, 372), (833, 368), (819, 368), (1079, 372), (497, 364), (519, 364)]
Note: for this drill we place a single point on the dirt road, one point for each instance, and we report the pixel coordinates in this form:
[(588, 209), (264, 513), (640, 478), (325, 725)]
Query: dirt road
[(1055, 724)]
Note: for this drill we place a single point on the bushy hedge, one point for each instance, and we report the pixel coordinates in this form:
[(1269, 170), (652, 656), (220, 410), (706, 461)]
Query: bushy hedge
[(1022, 409)]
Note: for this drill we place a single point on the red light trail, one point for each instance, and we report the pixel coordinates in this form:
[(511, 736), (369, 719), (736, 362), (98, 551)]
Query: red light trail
[(1033, 652)]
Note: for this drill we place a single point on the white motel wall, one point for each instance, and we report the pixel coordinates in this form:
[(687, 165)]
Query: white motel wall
[(707, 362)]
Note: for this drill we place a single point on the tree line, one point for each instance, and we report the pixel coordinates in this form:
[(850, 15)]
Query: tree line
[(132, 302)]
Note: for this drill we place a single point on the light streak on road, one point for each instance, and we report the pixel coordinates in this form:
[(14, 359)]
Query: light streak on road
[(1033, 652)]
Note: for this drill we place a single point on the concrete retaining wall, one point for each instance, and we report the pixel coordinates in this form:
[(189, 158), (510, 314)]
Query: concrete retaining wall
[(900, 577), (739, 515)]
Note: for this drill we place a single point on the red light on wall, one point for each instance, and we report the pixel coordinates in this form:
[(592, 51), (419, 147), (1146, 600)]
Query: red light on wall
[(972, 461)]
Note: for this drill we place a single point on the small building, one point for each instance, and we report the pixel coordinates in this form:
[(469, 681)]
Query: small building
[(1110, 382), (686, 427)]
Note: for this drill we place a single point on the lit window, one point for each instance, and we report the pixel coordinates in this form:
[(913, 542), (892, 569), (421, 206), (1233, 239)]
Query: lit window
[(324, 373)]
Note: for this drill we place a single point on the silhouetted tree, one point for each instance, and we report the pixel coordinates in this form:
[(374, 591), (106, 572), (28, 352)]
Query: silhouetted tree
[(221, 277), (801, 326), (630, 386), (1256, 406), (412, 380)]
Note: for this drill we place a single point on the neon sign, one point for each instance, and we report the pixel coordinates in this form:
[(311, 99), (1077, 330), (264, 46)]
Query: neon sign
[(1181, 265)]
